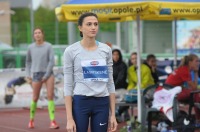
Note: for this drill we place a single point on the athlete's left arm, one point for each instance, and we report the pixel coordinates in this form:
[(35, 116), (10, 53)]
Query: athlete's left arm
[(113, 122), (51, 62), (111, 90)]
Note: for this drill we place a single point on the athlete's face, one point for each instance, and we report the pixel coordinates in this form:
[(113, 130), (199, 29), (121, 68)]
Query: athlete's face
[(194, 64), (89, 27), (38, 35)]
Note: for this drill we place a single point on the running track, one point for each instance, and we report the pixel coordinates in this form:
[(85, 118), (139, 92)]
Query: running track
[(16, 120)]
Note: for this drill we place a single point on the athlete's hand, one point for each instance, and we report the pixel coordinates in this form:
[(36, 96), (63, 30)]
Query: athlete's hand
[(71, 126), (112, 124)]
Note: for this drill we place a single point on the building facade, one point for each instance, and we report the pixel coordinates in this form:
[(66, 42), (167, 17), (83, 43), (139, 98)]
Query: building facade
[(5, 24)]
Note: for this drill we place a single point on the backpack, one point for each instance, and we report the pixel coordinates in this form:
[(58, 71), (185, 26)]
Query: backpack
[(131, 96), (184, 122)]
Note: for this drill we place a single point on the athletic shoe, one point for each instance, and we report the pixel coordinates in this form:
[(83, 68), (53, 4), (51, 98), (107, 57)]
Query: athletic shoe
[(53, 125), (31, 124)]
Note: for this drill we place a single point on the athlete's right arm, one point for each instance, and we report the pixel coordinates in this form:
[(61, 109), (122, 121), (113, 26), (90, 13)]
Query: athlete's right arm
[(71, 126), (28, 63), (68, 88)]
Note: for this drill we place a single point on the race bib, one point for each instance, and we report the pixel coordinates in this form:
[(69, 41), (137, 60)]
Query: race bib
[(95, 70)]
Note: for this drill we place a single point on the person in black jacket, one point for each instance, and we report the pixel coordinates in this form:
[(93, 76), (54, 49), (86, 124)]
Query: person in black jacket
[(119, 76), (151, 63), (119, 70)]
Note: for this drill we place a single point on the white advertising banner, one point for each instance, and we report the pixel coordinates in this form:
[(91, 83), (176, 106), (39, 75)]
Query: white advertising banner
[(15, 91)]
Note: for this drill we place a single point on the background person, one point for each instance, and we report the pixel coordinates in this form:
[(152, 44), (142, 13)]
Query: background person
[(39, 68), (88, 94), (146, 80), (151, 63), (182, 75), (10, 88), (119, 76), (119, 70), (109, 44), (146, 77)]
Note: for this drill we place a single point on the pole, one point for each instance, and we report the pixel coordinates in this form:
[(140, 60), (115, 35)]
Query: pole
[(175, 42), (32, 16), (71, 33), (139, 102), (56, 32), (118, 35)]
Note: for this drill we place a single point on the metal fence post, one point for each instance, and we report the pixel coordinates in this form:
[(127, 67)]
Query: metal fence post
[(1, 60), (18, 59)]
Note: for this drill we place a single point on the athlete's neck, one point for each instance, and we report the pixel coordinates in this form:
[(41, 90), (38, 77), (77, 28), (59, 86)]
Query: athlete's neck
[(89, 44), (40, 42)]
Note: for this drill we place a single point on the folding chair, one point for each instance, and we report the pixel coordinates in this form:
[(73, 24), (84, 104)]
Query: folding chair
[(179, 124), (147, 99)]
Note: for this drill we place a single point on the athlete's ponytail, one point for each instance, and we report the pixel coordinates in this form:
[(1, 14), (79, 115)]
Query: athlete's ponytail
[(187, 58)]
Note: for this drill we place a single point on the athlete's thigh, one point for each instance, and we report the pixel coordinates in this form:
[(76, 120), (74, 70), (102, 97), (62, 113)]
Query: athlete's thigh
[(50, 87), (36, 86), (81, 112), (100, 115)]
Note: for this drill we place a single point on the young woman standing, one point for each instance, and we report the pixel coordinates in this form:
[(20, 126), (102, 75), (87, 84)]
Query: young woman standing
[(88, 81), (39, 68)]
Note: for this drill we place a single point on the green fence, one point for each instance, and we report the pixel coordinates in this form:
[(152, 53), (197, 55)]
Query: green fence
[(15, 58), (54, 33)]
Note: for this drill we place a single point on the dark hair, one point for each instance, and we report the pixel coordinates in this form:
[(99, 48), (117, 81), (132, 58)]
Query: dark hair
[(150, 56), (134, 53), (119, 52), (82, 17), (186, 59), (40, 30), (129, 61)]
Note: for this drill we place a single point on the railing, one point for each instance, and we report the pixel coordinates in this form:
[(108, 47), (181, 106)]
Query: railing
[(15, 58)]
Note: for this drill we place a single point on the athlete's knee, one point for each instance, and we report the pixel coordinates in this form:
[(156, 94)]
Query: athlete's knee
[(50, 96), (35, 98)]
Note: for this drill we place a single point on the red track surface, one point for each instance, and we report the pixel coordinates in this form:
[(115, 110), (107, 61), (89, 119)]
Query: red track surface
[(16, 120)]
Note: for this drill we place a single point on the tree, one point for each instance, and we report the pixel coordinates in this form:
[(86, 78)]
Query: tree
[(44, 18)]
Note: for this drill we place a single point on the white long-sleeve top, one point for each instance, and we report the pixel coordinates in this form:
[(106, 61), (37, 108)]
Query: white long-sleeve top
[(88, 73)]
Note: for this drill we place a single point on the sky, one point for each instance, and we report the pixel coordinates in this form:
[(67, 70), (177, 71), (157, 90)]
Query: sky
[(36, 3)]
